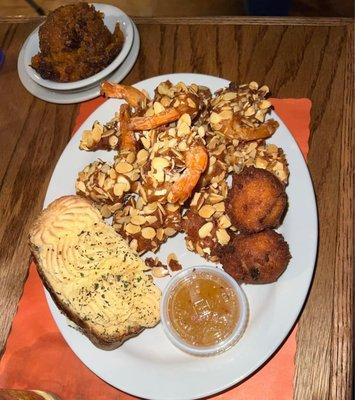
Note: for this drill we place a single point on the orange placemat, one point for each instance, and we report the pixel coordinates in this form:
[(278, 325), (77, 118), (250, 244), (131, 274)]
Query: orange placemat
[(37, 357)]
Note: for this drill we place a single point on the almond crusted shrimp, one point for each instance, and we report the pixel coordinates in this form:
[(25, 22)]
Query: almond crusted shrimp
[(170, 103), (238, 112)]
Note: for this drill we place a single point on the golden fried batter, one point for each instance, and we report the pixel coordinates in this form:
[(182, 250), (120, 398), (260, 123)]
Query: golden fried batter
[(75, 44), (258, 258), (256, 201)]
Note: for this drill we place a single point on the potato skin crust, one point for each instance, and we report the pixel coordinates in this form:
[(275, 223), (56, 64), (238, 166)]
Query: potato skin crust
[(257, 258), (257, 200)]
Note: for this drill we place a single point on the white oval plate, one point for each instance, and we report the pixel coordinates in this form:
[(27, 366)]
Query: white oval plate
[(112, 15), (80, 95), (149, 366)]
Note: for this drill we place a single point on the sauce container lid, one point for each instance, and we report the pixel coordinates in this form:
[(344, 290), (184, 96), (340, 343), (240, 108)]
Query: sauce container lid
[(219, 347)]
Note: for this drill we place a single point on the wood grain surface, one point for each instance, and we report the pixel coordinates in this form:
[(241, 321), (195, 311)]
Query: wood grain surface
[(296, 58), (148, 8)]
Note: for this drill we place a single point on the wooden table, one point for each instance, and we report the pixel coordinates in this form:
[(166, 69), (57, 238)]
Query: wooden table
[(296, 57)]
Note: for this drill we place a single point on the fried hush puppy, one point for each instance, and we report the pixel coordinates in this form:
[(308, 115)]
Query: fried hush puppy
[(257, 258), (257, 200)]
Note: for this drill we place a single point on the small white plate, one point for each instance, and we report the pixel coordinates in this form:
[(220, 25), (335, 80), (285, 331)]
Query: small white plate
[(112, 16), (149, 365), (69, 97)]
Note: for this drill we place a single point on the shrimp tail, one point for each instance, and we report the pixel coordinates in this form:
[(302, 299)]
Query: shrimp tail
[(146, 123), (134, 97), (263, 131), (196, 163), (128, 139)]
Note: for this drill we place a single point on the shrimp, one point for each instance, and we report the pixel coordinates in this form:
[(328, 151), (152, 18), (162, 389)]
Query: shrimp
[(165, 117), (134, 97), (233, 129), (128, 140), (187, 104), (196, 163)]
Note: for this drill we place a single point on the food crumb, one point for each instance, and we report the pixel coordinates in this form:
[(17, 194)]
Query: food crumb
[(152, 262), (173, 263)]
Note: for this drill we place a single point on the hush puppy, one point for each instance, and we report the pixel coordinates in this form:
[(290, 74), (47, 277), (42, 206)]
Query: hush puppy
[(257, 258), (256, 200)]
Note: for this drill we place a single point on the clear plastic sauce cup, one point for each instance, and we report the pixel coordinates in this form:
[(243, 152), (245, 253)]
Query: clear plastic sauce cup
[(204, 311)]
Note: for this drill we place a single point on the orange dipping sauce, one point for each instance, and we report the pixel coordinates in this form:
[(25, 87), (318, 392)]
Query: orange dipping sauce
[(203, 309)]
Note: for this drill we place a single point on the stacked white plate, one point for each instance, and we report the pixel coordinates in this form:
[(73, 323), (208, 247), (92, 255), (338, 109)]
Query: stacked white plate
[(85, 89)]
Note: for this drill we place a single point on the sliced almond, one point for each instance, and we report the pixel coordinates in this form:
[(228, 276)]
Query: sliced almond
[(159, 176), (226, 114), (132, 229), (215, 198), (185, 118), (260, 163), (220, 206), (123, 167), (108, 184), (149, 112), (145, 142), (191, 103), (151, 219), (224, 222), (158, 107), (101, 179), (189, 245), (229, 96), (112, 173), (148, 233), (150, 208), (199, 250), (183, 129), (112, 141), (195, 199), (139, 203), (172, 207), (124, 182), (80, 186), (265, 89), (160, 234), (115, 207), (222, 236), (253, 85), (206, 211), (260, 116), (118, 189), (138, 220), (97, 132), (215, 118), (133, 244), (105, 211), (160, 192), (165, 101), (159, 272), (142, 156), (205, 230), (131, 157), (160, 163), (169, 231), (201, 131), (182, 146), (264, 104), (249, 111)]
